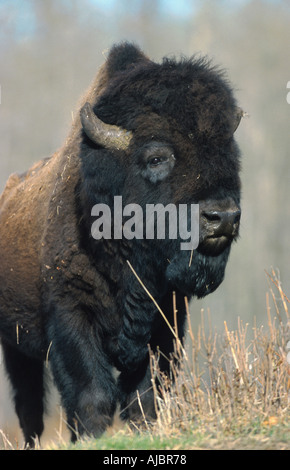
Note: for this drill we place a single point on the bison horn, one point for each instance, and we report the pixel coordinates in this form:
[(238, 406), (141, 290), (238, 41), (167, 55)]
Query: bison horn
[(106, 135), (239, 114)]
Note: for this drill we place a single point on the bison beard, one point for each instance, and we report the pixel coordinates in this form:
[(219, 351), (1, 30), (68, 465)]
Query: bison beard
[(151, 133)]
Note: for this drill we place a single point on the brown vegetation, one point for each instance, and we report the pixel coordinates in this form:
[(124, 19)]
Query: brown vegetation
[(228, 382)]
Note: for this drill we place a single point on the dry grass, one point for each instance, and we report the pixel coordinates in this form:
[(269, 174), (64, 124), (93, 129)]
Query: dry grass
[(227, 383)]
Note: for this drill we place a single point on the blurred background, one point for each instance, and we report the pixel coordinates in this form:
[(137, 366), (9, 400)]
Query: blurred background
[(49, 53)]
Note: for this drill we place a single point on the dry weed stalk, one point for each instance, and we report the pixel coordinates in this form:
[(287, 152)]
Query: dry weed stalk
[(227, 379), (5, 443)]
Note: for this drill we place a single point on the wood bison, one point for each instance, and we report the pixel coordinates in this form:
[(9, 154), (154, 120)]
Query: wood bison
[(151, 133)]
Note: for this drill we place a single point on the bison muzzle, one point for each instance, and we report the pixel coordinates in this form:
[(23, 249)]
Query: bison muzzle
[(153, 134)]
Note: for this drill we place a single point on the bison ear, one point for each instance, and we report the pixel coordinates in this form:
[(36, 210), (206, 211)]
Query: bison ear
[(122, 56)]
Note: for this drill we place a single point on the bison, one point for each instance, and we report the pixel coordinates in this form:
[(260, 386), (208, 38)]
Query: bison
[(151, 133)]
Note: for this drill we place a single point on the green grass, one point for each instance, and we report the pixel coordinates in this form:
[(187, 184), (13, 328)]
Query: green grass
[(256, 435)]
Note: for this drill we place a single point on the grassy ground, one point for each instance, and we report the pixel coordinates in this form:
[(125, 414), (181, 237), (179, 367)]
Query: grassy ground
[(229, 392), (254, 435)]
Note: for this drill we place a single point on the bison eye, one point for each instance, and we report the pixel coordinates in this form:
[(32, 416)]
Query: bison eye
[(154, 161), (157, 161)]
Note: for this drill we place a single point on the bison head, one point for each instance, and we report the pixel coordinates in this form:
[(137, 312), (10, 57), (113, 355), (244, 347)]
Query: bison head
[(164, 133)]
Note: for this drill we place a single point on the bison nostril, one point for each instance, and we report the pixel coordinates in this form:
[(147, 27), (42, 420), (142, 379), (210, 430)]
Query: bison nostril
[(211, 216), (219, 223)]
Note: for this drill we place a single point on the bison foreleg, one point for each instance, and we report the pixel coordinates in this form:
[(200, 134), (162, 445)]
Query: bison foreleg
[(26, 376), (82, 374), (136, 395)]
